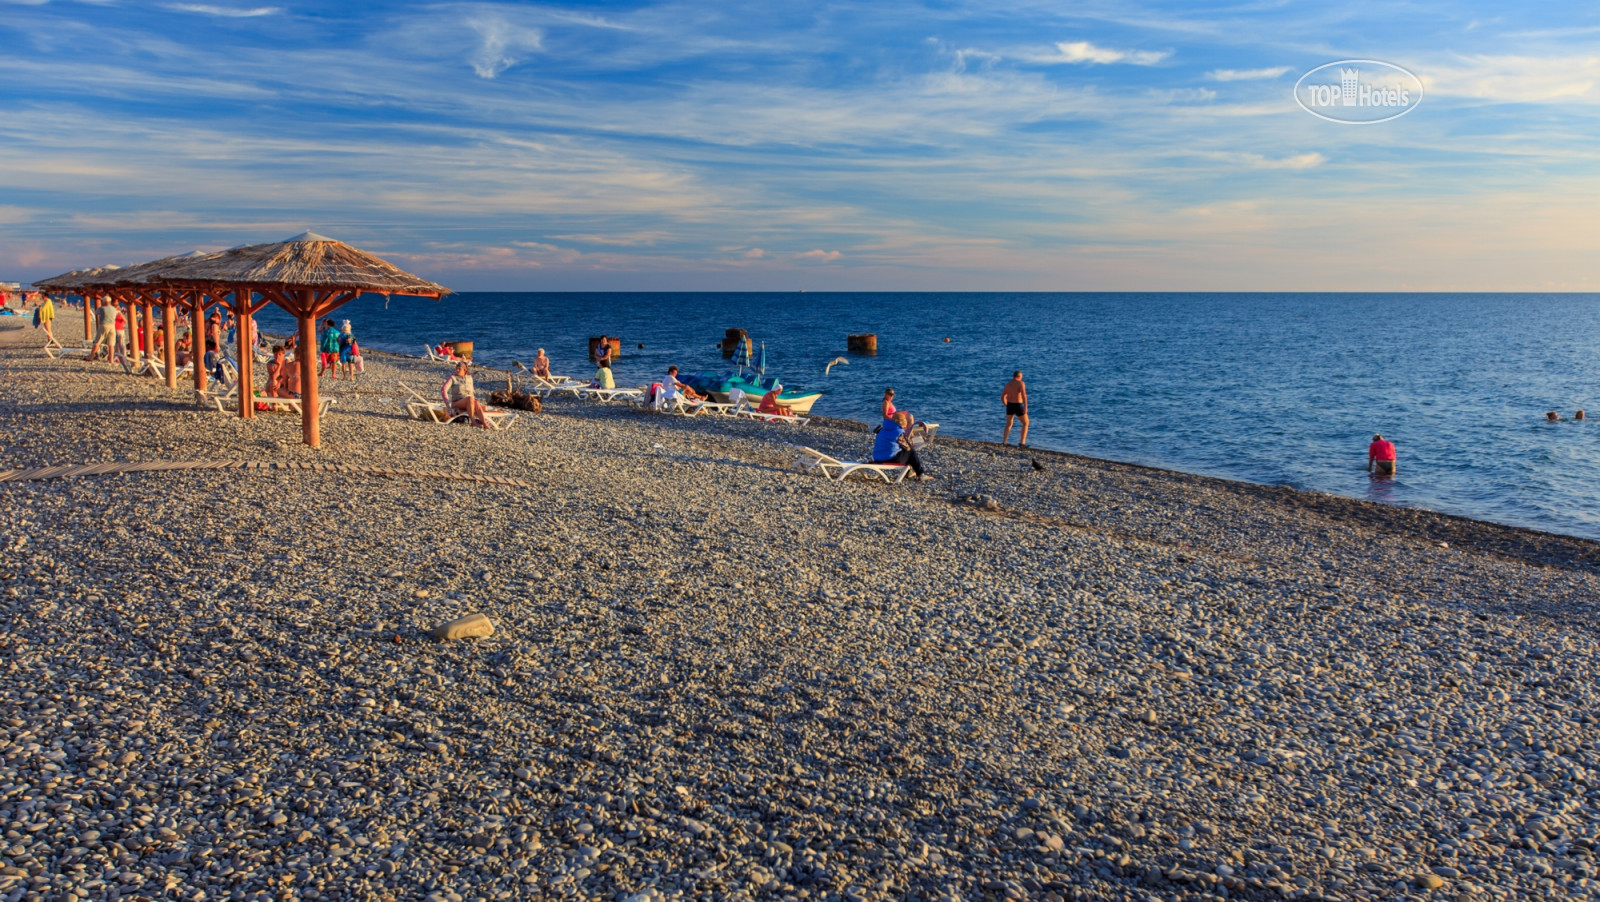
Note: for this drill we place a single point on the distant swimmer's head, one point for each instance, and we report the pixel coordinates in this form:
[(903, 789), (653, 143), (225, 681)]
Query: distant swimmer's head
[(1578, 416), (1552, 416)]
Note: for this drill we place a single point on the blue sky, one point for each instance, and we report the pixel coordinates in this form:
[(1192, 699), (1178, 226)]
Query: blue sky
[(891, 145)]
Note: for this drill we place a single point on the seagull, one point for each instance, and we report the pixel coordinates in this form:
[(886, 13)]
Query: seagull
[(835, 360)]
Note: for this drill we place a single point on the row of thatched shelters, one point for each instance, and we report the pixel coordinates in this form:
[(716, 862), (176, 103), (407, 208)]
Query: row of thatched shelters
[(309, 276)]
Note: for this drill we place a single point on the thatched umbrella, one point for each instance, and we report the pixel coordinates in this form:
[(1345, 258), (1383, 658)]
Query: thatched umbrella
[(309, 276), (131, 284), (80, 282)]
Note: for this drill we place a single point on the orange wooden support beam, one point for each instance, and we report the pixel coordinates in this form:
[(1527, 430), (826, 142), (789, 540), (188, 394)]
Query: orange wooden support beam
[(197, 341), (247, 352), (310, 428), (169, 325)]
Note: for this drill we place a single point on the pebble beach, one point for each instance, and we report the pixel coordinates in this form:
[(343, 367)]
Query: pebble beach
[(711, 676)]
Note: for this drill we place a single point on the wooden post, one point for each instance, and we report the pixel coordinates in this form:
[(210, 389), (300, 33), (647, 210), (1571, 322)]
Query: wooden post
[(169, 325), (862, 344), (88, 330), (247, 353), (149, 331), (311, 431), (135, 346), (197, 341)]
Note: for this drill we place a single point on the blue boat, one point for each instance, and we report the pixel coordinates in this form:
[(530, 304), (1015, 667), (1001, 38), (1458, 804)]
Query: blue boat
[(755, 383)]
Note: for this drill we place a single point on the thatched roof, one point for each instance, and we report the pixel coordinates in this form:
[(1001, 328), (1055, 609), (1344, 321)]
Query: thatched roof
[(78, 278), (304, 261), (101, 277)]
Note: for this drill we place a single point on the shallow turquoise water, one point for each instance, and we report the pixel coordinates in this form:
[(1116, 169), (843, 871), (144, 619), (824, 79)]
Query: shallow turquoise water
[(1268, 388)]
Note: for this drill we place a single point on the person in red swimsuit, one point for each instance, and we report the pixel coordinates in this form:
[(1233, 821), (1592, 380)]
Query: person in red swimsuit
[(1380, 456)]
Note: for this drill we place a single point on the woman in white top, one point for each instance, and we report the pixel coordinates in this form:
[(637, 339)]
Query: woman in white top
[(460, 394)]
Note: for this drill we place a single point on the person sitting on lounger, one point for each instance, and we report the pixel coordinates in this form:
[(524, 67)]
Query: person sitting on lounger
[(893, 445), (461, 395), (670, 387), (602, 377), (181, 351), (291, 375), (769, 404), (278, 375), (541, 365)]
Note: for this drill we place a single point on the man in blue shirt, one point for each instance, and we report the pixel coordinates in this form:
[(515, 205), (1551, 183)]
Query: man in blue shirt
[(893, 445)]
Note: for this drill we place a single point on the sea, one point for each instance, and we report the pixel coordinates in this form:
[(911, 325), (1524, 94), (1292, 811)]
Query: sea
[(1278, 389)]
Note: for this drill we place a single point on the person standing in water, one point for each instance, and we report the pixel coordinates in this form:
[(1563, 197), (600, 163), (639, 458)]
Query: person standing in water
[(1380, 456), (1015, 398)]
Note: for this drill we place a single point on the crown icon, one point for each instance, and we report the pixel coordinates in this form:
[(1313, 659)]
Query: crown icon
[(1349, 82)]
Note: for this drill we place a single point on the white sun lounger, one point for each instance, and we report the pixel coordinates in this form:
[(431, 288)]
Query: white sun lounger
[(743, 409), (547, 387), (420, 408), (814, 461), (612, 394), (55, 351), (224, 399), (437, 357), (293, 404), (676, 404)]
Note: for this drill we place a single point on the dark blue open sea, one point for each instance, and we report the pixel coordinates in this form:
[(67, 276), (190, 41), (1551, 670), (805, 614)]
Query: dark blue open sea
[(1267, 388)]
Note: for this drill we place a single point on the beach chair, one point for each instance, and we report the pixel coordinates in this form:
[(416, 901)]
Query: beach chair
[(742, 408), (547, 387), (224, 394), (224, 398), (675, 403), (421, 408), (55, 351), (437, 357), (292, 405), (815, 462), (612, 394)]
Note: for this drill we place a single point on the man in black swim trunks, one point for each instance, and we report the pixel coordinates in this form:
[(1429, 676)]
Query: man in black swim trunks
[(1015, 397)]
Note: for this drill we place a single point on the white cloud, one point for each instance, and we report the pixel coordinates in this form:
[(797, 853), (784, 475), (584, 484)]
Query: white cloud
[(1298, 161), (1518, 79), (626, 239), (819, 256), (1246, 74), (226, 11), (1085, 52), (500, 42), (757, 253)]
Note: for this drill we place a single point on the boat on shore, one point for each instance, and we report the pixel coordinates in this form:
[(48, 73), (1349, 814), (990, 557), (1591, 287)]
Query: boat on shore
[(754, 382)]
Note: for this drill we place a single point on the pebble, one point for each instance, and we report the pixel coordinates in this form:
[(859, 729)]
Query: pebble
[(724, 678), (472, 626)]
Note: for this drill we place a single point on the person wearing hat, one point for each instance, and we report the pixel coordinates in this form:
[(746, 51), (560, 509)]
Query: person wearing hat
[(1380, 456)]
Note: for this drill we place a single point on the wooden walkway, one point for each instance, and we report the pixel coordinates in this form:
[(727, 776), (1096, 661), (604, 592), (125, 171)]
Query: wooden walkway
[(71, 471)]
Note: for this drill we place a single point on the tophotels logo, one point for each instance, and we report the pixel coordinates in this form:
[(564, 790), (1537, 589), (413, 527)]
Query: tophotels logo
[(1358, 92)]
